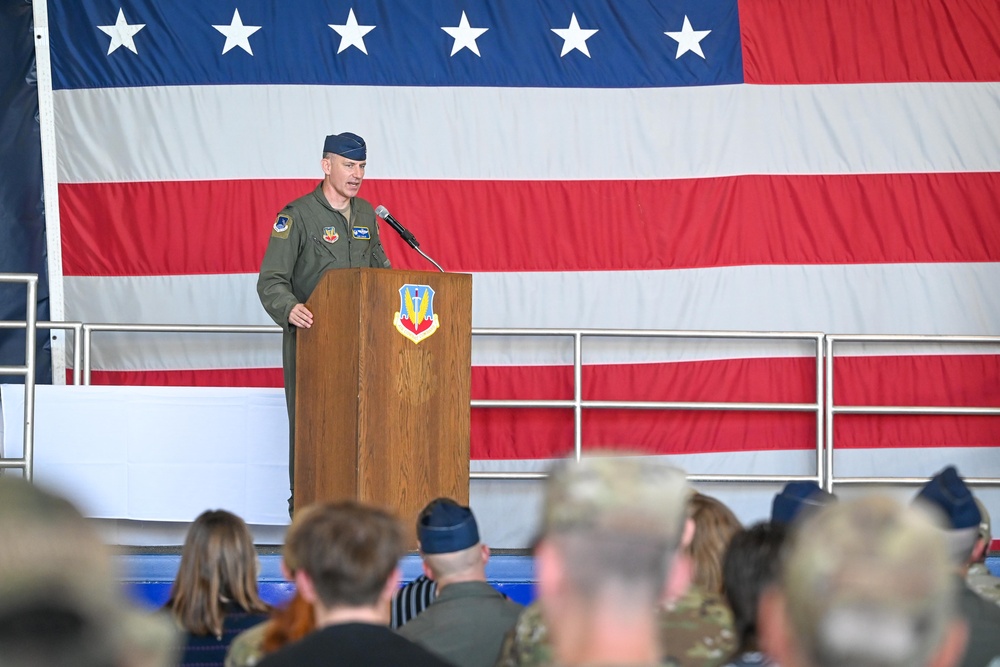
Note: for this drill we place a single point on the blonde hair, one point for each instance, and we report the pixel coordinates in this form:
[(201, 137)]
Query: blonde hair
[(714, 527)]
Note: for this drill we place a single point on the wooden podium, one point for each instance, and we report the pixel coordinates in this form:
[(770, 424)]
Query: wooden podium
[(383, 389)]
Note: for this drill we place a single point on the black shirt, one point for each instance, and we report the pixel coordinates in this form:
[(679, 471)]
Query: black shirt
[(349, 644)]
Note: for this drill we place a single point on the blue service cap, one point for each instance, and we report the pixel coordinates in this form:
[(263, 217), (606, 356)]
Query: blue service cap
[(796, 497), (948, 492), (347, 144), (446, 527)]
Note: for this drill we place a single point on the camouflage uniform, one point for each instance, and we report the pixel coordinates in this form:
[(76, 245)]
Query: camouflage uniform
[(54, 567), (697, 631), (527, 643), (979, 578), (246, 649), (983, 582)]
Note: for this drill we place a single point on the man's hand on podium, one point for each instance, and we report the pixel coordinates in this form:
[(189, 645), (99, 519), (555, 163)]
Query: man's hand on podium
[(300, 316)]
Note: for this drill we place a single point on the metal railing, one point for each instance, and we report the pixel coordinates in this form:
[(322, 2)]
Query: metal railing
[(823, 407), (578, 404), (26, 460), (831, 408), (90, 329)]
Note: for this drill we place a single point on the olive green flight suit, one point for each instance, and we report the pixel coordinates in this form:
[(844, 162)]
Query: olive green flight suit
[(308, 238)]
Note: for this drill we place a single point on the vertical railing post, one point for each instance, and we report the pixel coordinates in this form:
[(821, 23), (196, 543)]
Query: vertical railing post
[(827, 482), (85, 342), (820, 435), (578, 395), (31, 327)]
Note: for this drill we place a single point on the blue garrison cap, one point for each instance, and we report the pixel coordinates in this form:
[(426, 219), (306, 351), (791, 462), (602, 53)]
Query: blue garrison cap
[(796, 497), (445, 527), (948, 492), (347, 144)]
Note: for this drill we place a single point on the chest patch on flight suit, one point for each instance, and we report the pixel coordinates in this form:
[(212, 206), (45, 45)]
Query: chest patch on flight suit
[(361, 233), (282, 226), (330, 235)]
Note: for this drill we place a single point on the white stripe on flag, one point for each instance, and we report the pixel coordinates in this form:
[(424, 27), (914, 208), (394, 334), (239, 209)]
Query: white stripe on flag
[(878, 298), (248, 132)]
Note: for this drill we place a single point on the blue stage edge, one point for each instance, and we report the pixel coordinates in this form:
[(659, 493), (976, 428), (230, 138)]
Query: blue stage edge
[(148, 577)]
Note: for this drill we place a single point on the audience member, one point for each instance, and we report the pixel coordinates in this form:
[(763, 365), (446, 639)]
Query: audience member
[(979, 578), (798, 498), (468, 619), (867, 583), (752, 562), (947, 493), (287, 624), (411, 598), (611, 528), (695, 621), (714, 525), (60, 599), (347, 566), (214, 596), (695, 626)]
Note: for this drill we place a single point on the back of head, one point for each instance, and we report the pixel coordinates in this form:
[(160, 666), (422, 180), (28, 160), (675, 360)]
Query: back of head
[(714, 525), (868, 584), (218, 562), (347, 549), (947, 494), (58, 593), (617, 521), (449, 540), (751, 562)]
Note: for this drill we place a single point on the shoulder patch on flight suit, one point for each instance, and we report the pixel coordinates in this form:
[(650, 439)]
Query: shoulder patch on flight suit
[(282, 226)]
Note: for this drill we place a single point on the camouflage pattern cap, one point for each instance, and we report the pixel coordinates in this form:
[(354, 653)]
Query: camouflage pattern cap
[(869, 578), (625, 495), (60, 599)]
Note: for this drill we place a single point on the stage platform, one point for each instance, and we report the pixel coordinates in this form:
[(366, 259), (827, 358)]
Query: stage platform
[(143, 462), (148, 576)]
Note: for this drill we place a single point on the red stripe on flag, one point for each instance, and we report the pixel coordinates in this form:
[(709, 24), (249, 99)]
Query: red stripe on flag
[(861, 41), (945, 380), (225, 377), (154, 228), (959, 381), (544, 433)]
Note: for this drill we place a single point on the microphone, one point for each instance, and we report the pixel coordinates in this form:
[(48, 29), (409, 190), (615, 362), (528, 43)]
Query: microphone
[(383, 213)]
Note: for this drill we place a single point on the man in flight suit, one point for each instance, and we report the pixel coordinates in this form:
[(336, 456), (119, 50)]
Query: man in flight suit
[(329, 228)]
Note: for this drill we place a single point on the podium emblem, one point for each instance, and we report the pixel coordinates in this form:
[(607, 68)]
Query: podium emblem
[(416, 318)]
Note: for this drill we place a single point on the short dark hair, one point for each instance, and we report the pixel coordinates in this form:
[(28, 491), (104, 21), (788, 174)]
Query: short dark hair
[(751, 563), (349, 551)]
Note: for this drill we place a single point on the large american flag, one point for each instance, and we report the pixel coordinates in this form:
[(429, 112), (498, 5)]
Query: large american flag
[(767, 165)]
